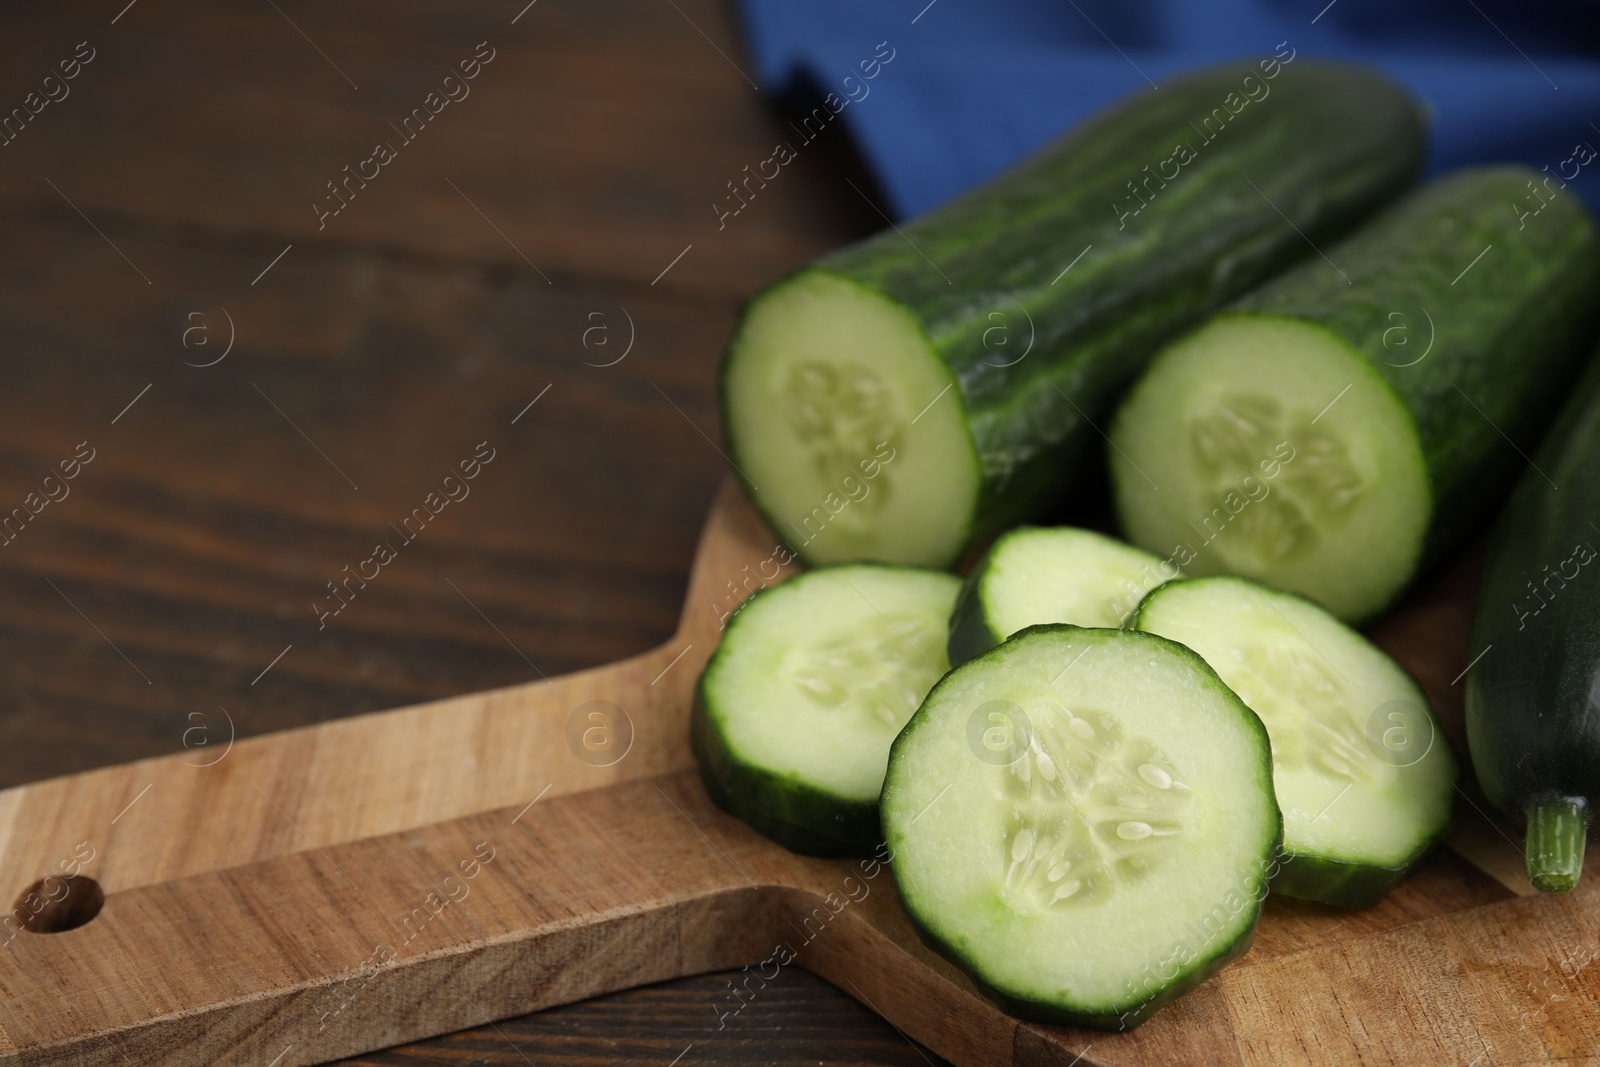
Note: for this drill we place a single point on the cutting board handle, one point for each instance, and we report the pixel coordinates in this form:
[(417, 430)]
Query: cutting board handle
[(330, 952)]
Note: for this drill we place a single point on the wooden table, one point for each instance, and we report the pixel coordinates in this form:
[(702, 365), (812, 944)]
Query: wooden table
[(266, 385)]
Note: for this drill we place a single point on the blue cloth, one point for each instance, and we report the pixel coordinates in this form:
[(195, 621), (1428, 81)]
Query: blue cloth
[(973, 85)]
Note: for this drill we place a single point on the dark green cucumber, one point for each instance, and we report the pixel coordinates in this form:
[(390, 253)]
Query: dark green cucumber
[(795, 711), (1083, 819), (1360, 766), (1038, 574), (1533, 696), (1339, 428), (943, 379)]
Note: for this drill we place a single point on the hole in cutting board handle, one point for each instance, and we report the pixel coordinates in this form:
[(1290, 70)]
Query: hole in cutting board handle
[(58, 903)]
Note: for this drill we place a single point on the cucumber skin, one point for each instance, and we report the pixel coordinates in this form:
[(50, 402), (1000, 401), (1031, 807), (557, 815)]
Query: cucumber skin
[(1034, 1012), (1344, 885), (1198, 971), (1510, 331), (1308, 876), (1528, 699), (1331, 144), (970, 632)]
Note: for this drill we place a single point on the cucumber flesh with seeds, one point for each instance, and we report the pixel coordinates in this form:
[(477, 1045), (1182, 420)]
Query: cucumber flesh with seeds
[(1255, 483), (979, 345), (1033, 575), (795, 711), (1083, 820), (1363, 773), (1341, 426)]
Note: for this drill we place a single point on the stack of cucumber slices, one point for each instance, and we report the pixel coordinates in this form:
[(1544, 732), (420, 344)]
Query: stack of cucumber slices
[(1085, 817), (1091, 760)]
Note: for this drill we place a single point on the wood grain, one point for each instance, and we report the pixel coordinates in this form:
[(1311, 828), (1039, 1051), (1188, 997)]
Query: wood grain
[(799, 1021), (381, 773), (196, 540), (410, 329), (208, 523)]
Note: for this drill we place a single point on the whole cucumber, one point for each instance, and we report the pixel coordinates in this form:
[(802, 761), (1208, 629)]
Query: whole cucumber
[(1533, 698)]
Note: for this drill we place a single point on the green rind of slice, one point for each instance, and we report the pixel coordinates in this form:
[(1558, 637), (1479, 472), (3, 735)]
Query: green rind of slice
[(782, 808), (1363, 772), (796, 710), (1099, 848), (1344, 885), (1280, 454), (1034, 575)]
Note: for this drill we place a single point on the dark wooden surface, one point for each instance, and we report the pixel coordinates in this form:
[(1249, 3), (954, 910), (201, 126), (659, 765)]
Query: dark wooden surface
[(366, 362)]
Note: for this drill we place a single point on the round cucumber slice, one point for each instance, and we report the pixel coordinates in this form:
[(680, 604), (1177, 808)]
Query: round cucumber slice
[(1035, 575), (1364, 775), (1279, 454), (847, 427), (1083, 819), (813, 679)]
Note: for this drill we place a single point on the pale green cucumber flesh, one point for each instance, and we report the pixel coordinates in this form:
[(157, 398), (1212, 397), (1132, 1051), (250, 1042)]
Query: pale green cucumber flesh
[(1083, 819), (813, 679), (1265, 446), (848, 427), (1034, 575), (1363, 773)]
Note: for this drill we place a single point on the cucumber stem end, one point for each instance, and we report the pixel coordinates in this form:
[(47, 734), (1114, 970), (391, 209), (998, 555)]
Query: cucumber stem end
[(1556, 830)]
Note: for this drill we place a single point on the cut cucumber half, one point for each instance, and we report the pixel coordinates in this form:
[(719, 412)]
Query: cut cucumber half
[(841, 415), (1364, 775), (1083, 819), (1350, 421), (813, 679), (1036, 574), (1280, 455)]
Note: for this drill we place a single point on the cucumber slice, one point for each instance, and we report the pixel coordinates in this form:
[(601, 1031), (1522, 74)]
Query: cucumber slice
[(1260, 476), (1035, 575), (1083, 819), (813, 679), (1364, 775)]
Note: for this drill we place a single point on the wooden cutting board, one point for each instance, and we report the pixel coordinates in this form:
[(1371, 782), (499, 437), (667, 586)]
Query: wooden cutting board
[(313, 894)]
